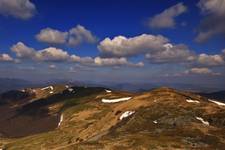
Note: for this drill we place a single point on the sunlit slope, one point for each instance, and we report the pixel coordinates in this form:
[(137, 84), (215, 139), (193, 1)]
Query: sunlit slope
[(98, 118)]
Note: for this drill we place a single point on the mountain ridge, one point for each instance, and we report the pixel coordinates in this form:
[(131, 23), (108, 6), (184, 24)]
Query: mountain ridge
[(79, 118)]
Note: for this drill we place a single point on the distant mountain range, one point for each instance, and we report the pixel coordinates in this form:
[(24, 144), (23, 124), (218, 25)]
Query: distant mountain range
[(12, 84), (215, 95)]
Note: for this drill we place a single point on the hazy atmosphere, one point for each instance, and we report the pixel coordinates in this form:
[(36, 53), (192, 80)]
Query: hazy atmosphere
[(112, 74), (134, 41)]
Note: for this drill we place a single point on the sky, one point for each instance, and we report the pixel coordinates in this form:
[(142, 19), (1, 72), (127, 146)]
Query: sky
[(116, 41)]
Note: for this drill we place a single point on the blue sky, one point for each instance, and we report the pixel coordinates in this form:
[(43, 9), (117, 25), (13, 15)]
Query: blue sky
[(177, 22)]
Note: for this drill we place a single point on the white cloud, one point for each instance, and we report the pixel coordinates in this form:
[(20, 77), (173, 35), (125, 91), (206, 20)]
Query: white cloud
[(98, 61), (22, 9), (214, 22), (52, 54), (171, 54), (110, 61), (139, 64), (115, 62), (80, 34), (82, 60), (121, 46), (212, 6), (73, 37), (52, 36), (23, 51), (223, 53), (155, 48), (166, 19), (52, 66), (204, 71), (48, 54), (210, 60), (5, 58)]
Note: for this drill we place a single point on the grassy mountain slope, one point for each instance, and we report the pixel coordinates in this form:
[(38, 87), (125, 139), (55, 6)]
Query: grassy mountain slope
[(162, 119)]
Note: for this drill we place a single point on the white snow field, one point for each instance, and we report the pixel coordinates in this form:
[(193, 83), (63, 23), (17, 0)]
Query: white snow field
[(61, 119), (126, 114), (108, 91), (70, 90), (116, 100), (155, 121), (48, 87), (202, 120), (192, 101), (218, 103)]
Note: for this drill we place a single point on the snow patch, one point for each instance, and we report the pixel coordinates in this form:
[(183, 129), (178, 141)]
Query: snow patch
[(48, 87), (155, 121), (126, 114), (192, 101), (108, 91), (116, 100), (71, 90), (67, 86), (60, 121), (202, 120), (51, 92), (218, 103), (51, 87)]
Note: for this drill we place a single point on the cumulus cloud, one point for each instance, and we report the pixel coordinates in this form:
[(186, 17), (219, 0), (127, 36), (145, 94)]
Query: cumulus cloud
[(212, 6), (115, 62), (204, 71), (5, 58), (156, 49), (210, 60), (48, 54), (98, 61), (110, 61), (23, 51), (52, 36), (166, 19), (121, 46), (214, 22), (82, 60), (22, 9), (80, 34), (223, 53), (52, 54), (73, 37), (171, 54)]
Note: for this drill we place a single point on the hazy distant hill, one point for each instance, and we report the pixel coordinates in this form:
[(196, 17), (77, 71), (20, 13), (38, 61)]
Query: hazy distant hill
[(141, 87), (10, 84), (215, 95)]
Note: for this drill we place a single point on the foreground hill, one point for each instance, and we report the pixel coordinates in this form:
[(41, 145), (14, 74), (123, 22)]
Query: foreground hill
[(63, 117)]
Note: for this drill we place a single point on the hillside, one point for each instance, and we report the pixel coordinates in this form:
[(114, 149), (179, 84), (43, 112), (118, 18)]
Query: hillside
[(65, 117)]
